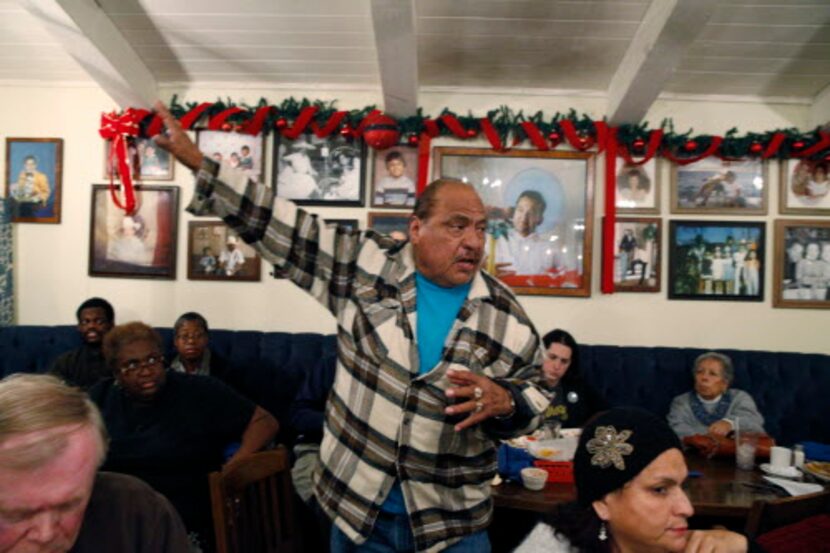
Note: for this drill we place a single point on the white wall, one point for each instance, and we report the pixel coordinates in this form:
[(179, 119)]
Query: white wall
[(51, 260)]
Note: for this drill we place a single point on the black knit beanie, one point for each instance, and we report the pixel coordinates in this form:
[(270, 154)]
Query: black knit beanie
[(615, 446)]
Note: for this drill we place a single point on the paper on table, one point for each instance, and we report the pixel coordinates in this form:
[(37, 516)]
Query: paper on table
[(795, 488)]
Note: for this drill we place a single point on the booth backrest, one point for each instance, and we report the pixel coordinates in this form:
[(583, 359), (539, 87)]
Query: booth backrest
[(792, 390)]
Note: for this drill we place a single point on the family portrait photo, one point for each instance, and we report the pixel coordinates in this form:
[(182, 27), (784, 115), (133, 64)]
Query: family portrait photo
[(141, 244), (539, 208), (804, 186), (638, 190), (711, 260), (637, 254), (394, 175), (320, 171), (714, 186), (802, 264), (215, 252), (238, 149), (146, 160), (33, 179)]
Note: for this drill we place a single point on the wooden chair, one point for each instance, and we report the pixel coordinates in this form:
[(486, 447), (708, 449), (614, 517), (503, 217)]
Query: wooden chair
[(767, 515), (253, 505)]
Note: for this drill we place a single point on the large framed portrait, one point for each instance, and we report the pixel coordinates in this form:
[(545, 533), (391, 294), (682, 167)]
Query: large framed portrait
[(637, 247), (804, 187), (714, 186), (237, 149), (540, 215), (395, 224), (716, 260), (394, 174), (146, 160), (320, 171), (139, 245), (638, 187), (215, 252), (34, 168), (802, 264)]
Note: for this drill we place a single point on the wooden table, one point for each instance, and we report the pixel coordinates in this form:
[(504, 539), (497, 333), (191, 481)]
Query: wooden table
[(719, 492)]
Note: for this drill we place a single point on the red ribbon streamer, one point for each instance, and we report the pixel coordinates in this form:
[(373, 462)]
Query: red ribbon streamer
[(330, 126), (610, 219), (300, 124), (491, 134), (822, 144), (115, 129), (535, 136), (189, 119), (454, 125), (216, 122), (254, 125), (600, 129), (430, 131), (654, 139), (713, 147), (774, 145)]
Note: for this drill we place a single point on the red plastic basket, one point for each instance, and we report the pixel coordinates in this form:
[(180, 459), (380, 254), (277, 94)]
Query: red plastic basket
[(561, 472)]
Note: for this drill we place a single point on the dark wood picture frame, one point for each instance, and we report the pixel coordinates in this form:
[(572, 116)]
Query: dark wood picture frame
[(708, 260), (210, 258), (562, 237), (141, 245), (799, 281), (34, 175), (638, 187), (637, 264)]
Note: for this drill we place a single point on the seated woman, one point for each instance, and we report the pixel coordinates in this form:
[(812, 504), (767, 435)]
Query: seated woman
[(712, 408), (629, 471), (172, 429), (574, 400)]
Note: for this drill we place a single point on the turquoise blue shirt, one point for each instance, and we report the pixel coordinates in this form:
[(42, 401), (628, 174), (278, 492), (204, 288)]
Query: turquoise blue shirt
[(437, 308)]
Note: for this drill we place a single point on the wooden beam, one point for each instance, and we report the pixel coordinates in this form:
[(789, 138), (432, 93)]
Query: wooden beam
[(820, 110), (667, 30), (89, 36), (397, 46)]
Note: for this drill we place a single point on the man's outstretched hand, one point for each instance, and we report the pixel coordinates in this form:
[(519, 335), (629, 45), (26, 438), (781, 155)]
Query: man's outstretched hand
[(176, 141)]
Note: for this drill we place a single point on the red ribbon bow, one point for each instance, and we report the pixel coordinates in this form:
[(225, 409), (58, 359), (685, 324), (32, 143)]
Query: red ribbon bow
[(116, 129)]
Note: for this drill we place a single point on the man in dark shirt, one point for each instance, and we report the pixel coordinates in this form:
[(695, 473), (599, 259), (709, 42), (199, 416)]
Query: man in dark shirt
[(85, 365)]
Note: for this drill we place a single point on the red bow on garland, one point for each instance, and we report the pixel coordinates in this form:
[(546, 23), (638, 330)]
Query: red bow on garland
[(116, 129)]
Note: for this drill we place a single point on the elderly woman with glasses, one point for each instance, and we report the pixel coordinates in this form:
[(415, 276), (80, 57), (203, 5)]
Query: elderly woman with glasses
[(712, 407), (172, 429)]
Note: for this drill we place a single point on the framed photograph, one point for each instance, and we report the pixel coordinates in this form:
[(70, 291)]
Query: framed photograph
[(804, 187), (802, 264), (637, 254), (238, 149), (215, 252), (140, 245), (320, 171), (147, 161), (350, 224), (394, 174), (714, 186), (395, 224), (716, 260), (34, 167), (540, 215), (638, 187)]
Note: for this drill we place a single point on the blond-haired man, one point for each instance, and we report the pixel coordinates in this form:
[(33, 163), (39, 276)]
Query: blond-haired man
[(52, 497)]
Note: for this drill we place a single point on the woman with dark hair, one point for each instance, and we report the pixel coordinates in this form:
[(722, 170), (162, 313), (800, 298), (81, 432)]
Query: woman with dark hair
[(574, 400), (629, 471)]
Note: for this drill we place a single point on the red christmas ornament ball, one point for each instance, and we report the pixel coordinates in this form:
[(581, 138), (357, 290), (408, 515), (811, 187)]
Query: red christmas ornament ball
[(281, 123), (346, 131), (226, 126), (380, 131), (690, 146), (554, 137), (471, 133), (639, 144), (413, 139), (756, 147), (798, 144)]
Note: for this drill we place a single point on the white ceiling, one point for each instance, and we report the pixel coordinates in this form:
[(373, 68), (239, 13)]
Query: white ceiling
[(766, 48)]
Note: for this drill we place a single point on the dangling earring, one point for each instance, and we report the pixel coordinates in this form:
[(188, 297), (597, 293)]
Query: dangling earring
[(603, 533)]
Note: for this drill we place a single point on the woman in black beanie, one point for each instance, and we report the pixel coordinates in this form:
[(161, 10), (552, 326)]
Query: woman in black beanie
[(629, 470)]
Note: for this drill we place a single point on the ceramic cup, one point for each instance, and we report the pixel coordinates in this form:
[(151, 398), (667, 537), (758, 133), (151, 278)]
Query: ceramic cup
[(780, 457), (533, 478)]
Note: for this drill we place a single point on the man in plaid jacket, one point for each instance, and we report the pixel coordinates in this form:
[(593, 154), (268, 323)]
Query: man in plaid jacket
[(436, 358)]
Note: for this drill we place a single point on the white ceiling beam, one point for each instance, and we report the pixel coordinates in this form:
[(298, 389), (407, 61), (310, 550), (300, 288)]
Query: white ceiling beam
[(667, 30), (397, 46), (89, 36), (820, 110)]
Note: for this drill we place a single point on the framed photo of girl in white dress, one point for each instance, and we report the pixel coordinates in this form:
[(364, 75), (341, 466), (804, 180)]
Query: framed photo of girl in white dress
[(638, 188), (804, 187), (137, 245)]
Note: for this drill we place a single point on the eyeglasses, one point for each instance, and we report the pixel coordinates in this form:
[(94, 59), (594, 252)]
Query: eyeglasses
[(191, 337), (152, 361)]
